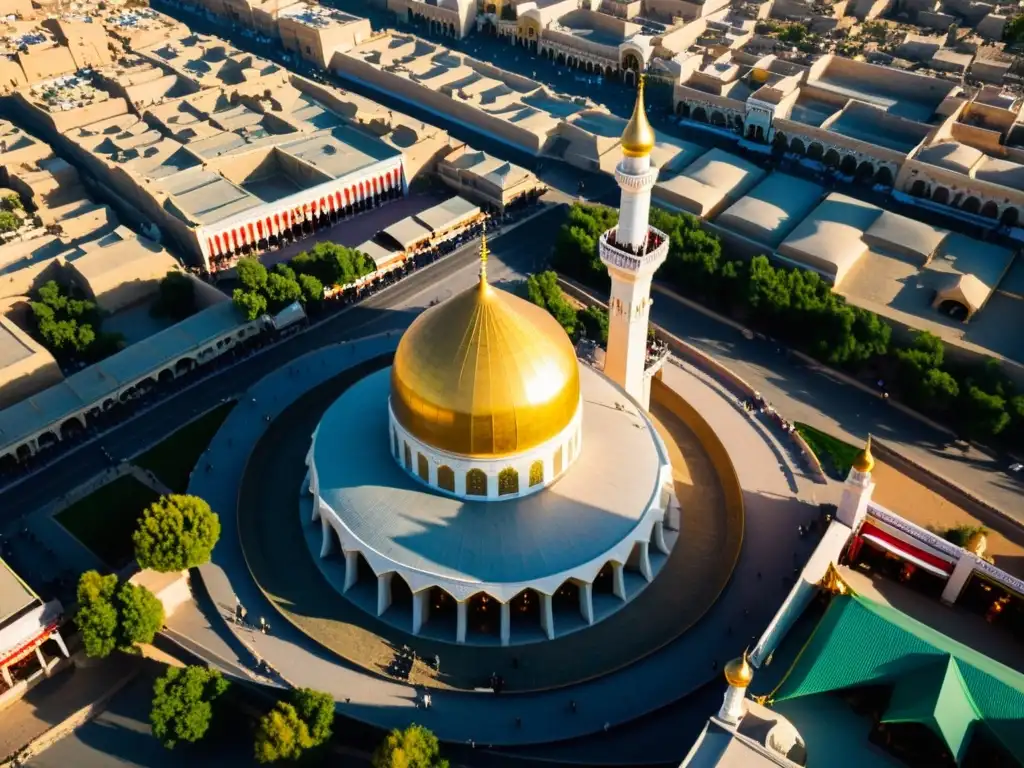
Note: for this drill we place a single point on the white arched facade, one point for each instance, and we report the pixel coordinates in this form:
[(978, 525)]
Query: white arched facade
[(454, 474)]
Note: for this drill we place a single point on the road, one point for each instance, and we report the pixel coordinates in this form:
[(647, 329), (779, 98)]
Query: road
[(512, 255)]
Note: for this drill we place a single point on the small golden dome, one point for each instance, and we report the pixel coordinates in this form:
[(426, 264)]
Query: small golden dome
[(865, 462), (638, 138), (738, 672), (485, 374)]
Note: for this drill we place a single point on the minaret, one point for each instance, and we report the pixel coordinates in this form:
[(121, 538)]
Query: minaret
[(632, 251), (738, 674), (857, 489)]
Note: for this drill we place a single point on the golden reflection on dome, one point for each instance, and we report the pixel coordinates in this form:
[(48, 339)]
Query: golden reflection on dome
[(485, 374), (638, 138)]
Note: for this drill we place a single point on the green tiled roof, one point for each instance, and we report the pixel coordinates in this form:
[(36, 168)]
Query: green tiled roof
[(937, 680)]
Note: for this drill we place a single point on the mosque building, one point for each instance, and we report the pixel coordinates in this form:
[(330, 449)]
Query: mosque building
[(497, 477)]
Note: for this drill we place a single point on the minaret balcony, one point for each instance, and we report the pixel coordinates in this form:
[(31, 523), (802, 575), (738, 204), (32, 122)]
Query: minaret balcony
[(635, 181), (648, 256), (656, 354)]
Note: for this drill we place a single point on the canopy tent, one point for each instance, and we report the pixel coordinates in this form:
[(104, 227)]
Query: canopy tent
[(936, 680), (966, 290)]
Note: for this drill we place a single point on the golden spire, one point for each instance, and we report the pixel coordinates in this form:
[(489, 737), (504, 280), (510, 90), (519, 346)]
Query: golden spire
[(738, 672), (832, 582), (484, 253), (865, 462), (638, 138)]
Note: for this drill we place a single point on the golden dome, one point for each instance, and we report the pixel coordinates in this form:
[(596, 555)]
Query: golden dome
[(485, 374), (738, 672), (638, 138), (865, 462)]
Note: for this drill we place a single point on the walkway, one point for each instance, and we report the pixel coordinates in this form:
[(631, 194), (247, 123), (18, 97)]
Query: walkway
[(770, 550)]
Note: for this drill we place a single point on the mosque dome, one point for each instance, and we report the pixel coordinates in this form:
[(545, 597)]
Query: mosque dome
[(638, 138), (738, 672), (485, 374), (864, 461)]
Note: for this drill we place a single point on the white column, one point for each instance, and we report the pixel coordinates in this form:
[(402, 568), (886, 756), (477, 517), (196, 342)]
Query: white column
[(460, 625), (547, 616), (628, 315), (492, 485), (618, 581), (432, 473), (351, 569), (659, 537), (316, 504), (733, 705), (460, 482), (328, 538), (853, 505), (958, 578), (55, 635), (420, 610), (383, 592), (644, 561), (6, 672), (634, 201), (506, 623), (587, 602), (42, 661)]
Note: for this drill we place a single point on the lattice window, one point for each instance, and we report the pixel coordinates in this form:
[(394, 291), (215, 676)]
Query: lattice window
[(446, 478), (508, 481), (536, 473), (476, 483)]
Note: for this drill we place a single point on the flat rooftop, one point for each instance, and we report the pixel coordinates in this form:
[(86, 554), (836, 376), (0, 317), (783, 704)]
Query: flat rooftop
[(772, 209), (605, 493), (12, 349), (15, 596)]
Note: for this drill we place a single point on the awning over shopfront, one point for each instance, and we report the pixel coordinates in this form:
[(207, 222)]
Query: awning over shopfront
[(914, 554)]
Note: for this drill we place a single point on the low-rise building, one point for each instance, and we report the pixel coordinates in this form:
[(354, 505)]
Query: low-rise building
[(487, 180)]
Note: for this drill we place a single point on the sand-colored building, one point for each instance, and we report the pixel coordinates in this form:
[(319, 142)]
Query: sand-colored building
[(25, 366), (487, 180), (316, 32), (227, 153), (455, 18)]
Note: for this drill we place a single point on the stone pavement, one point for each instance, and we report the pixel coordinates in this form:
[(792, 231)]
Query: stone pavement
[(769, 553)]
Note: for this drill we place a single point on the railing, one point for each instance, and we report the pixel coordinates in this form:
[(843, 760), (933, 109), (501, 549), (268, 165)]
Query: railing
[(657, 353), (652, 254)]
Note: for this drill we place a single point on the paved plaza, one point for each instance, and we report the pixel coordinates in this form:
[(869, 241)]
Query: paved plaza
[(776, 496)]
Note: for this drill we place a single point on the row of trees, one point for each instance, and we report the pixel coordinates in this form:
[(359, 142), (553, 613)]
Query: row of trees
[(302, 279), (799, 307), (543, 290), (186, 702), (69, 326), (9, 220)]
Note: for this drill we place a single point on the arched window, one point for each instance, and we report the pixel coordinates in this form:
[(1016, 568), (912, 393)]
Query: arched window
[(446, 478), (423, 468), (394, 443), (408, 458), (558, 462), (536, 473), (476, 483), (508, 482)]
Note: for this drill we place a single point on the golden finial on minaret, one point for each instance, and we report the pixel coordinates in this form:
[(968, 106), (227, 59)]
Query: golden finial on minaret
[(638, 138), (484, 253)]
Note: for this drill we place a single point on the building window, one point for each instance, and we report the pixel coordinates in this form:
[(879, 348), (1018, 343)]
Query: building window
[(394, 444), (508, 482), (423, 468), (408, 458), (536, 473), (558, 462), (446, 478), (476, 483)]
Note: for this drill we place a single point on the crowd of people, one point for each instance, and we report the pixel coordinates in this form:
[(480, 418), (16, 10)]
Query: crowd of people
[(758, 404)]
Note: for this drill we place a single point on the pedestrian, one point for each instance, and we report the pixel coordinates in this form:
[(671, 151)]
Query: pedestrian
[(437, 664), (426, 701)]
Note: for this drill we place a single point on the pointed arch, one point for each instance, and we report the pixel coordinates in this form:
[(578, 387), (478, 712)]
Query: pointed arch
[(423, 468), (508, 482), (476, 482), (536, 473)]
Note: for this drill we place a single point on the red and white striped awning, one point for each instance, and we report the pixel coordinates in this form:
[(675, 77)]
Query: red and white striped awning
[(933, 563)]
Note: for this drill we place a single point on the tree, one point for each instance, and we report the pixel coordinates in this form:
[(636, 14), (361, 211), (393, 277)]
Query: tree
[(333, 264), (176, 532), (183, 703), (97, 616), (250, 303), (594, 321), (984, 414), (317, 711), (8, 221), (544, 291), (414, 747), (177, 297), (12, 202), (141, 615), (312, 290), (251, 274), (282, 289), (281, 734), (1013, 32)]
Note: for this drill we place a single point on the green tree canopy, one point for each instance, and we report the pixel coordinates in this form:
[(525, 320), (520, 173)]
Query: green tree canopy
[(97, 615), (250, 303), (251, 274), (282, 289), (141, 614), (984, 414), (281, 735), (594, 320), (177, 297), (333, 264), (1013, 32), (176, 532), (414, 747), (182, 705), (8, 221), (316, 709), (544, 291), (312, 290)]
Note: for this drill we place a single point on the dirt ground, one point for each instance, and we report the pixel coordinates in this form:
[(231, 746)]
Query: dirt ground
[(920, 505)]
